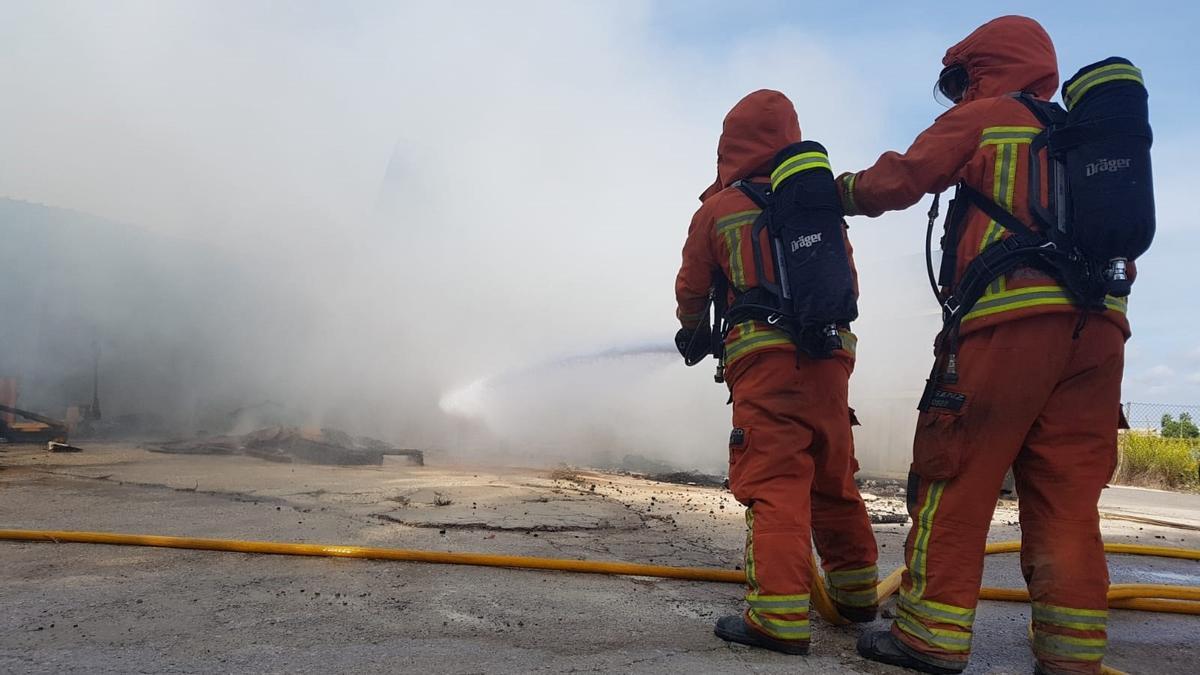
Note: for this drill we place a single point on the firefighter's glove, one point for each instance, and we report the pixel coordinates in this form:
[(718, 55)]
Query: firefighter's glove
[(693, 344), (845, 184)]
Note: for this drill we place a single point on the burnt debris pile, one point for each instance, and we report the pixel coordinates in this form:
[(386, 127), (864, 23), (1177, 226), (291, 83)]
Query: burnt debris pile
[(293, 444)]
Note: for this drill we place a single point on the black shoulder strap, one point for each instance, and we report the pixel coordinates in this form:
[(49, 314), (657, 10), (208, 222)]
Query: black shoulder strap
[(761, 196), (758, 194), (951, 235), (720, 301), (1052, 117), (1048, 113), (994, 211)]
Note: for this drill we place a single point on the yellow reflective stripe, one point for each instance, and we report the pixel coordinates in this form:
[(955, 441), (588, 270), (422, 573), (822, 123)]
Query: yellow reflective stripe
[(999, 168), (1082, 649), (849, 341), (779, 628), (1093, 78), (853, 577), (849, 188), (779, 604), (1009, 183), (750, 337), (731, 228), (1008, 140), (949, 610), (860, 598), (735, 220), (1033, 296), (999, 135), (751, 581), (763, 606), (946, 640), (797, 597), (927, 610), (737, 275), (1094, 613), (805, 161), (754, 338), (737, 350), (1007, 189), (1026, 130), (1019, 299), (1067, 617), (766, 619), (916, 567), (1003, 184)]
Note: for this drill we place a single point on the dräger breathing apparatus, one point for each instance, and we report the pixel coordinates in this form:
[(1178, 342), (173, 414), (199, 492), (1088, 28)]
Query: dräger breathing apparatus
[(805, 282), (1099, 213)]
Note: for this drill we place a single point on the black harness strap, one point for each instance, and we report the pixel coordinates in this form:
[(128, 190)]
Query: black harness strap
[(1051, 116), (758, 195), (997, 259), (1024, 246), (720, 299), (956, 215), (995, 211)]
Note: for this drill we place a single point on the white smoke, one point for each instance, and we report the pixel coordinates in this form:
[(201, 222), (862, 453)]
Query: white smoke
[(352, 211)]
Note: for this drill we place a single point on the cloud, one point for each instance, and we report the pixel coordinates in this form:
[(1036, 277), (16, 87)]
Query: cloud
[(1160, 372)]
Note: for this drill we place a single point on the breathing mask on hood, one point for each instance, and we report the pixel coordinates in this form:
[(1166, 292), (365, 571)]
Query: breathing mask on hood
[(1005, 55), (952, 84)]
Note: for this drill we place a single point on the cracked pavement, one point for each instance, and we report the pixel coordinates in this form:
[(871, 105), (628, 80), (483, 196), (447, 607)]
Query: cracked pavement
[(105, 609)]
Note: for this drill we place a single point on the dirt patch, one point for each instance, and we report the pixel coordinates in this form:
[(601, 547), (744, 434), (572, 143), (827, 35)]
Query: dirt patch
[(690, 478), (518, 511), (286, 444), (566, 473)]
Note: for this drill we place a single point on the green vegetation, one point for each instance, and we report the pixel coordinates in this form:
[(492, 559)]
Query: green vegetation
[(1159, 461), (1184, 427)]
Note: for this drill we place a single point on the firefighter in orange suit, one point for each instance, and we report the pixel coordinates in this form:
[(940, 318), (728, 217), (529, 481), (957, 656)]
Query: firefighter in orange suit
[(791, 453), (1037, 386)]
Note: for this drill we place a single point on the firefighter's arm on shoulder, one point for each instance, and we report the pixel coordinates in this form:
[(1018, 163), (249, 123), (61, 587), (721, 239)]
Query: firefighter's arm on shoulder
[(931, 164), (693, 282)]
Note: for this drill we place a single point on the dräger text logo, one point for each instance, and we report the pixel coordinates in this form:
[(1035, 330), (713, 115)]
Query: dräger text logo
[(805, 241), (1102, 165)]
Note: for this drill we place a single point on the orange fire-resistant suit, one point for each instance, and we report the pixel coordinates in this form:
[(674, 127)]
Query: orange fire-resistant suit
[(1038, 386), (791, 454)]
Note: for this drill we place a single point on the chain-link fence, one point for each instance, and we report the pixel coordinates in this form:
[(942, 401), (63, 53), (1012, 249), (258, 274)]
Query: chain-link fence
[(1162, 446), (1163, 418)]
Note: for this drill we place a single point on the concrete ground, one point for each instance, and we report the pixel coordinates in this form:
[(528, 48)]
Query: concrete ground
[(101, 609)]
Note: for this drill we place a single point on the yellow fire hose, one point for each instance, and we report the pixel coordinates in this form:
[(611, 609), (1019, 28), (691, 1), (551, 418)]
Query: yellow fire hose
[(1144, 597)]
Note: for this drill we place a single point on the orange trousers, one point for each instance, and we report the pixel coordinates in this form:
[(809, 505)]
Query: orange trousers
[(1040, 395), (791, 462)]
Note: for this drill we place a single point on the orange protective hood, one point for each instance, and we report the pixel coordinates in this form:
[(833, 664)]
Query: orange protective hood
[(760, 125), (1005, 55)]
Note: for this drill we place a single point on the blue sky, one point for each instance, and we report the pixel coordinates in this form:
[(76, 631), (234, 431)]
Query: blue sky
[(1153, 34), (875, 40)]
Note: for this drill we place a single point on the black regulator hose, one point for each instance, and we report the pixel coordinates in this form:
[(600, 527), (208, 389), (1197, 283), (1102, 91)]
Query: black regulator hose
[(933, 214)]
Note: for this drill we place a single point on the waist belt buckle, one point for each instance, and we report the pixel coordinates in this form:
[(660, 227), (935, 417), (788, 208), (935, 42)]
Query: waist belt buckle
[(951, 306)]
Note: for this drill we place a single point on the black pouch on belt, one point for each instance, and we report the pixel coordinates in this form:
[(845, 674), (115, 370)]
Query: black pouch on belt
[(941, 438)]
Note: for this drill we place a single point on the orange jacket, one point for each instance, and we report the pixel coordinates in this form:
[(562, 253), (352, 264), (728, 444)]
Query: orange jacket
[(718, 240), (983, 140)]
